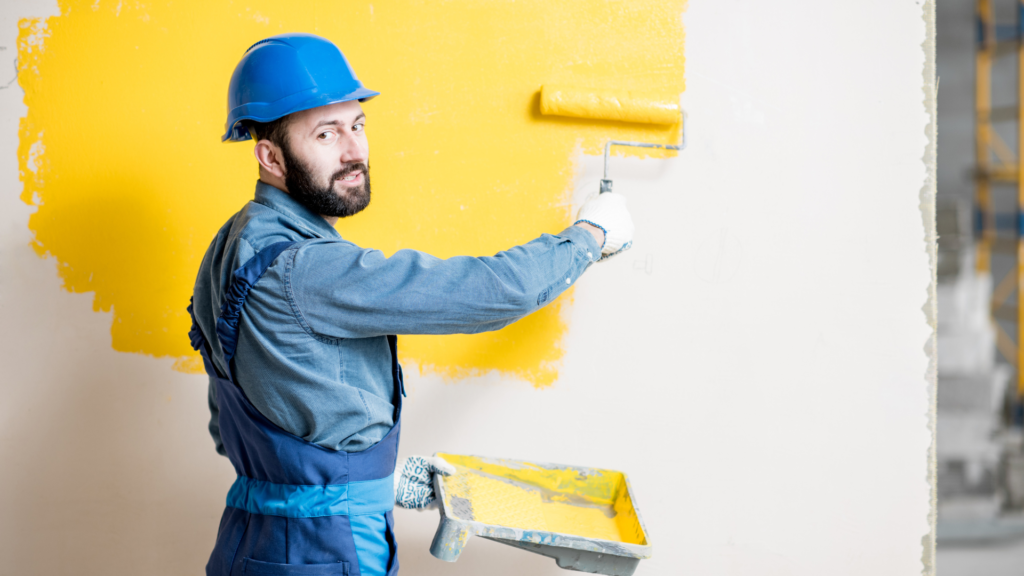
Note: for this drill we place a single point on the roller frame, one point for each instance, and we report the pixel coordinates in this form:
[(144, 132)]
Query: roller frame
[(606, 183)]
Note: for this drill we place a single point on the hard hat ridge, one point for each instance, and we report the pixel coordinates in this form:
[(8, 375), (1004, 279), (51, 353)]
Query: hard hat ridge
[(287, 73)]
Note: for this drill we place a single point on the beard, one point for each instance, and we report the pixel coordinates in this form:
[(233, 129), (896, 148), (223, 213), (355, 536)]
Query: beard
[(321, 198)]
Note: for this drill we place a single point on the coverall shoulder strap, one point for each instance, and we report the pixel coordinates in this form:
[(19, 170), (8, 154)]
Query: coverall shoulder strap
[(237, 291), (199, 343)]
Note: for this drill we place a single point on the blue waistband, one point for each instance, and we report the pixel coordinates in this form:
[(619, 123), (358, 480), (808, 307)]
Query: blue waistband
[(304, 501)]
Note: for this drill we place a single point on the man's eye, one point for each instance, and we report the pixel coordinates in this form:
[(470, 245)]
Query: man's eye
[(324, 135), (357, 127)]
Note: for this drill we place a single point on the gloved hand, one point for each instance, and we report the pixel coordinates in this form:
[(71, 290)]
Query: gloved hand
[(608, 212), (414, 486)]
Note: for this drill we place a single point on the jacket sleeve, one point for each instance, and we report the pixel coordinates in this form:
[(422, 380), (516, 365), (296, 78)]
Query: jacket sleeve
[(340, 290)]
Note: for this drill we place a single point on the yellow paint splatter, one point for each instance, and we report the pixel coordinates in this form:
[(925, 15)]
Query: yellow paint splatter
[(121, 148)]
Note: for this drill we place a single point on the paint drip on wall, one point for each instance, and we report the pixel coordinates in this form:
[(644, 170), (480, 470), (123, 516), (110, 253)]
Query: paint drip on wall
[(121, 148)]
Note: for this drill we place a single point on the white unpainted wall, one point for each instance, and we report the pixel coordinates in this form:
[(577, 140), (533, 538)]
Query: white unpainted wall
[(758, 363)]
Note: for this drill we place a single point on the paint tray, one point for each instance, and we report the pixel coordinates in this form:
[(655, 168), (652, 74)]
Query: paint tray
[(584, 518)]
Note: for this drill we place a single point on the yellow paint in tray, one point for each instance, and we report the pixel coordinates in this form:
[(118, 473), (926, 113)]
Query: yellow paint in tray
[(121, 152), (585, 502)]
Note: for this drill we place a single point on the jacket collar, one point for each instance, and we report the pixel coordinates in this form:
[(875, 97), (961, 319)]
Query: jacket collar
[(280, 201)]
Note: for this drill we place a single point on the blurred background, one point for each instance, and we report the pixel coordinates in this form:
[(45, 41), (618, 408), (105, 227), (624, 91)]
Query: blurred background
[(980, 407)]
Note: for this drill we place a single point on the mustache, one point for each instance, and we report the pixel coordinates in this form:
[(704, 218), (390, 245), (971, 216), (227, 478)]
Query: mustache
[(350, 169)]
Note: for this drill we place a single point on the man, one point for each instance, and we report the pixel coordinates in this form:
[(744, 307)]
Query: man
[(297, 325)]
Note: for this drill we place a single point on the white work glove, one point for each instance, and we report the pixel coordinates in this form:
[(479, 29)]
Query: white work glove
[(608, 212), (414, 486)]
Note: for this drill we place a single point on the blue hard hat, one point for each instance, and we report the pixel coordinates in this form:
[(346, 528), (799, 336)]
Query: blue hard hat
[(288, 73)]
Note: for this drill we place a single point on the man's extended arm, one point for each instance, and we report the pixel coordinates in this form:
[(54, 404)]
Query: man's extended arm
[(344, 291)]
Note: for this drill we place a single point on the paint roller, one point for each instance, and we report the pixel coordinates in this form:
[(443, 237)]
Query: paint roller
[(615, 105)]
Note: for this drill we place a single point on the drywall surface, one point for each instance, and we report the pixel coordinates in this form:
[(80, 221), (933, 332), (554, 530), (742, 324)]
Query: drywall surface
[(756, 363)]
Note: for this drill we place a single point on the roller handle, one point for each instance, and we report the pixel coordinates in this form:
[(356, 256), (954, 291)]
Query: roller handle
[(606, 185)]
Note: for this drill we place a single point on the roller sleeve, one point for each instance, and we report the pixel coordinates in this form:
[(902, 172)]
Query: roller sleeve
[(618, 105)]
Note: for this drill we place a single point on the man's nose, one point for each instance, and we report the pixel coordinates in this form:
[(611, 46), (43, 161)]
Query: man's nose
[(354, 149)]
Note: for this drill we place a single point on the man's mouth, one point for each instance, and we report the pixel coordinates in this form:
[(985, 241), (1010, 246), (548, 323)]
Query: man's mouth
[(354, 177)]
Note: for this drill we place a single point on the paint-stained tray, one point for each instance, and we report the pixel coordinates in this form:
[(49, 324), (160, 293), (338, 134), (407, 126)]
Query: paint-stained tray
[(584, 518)]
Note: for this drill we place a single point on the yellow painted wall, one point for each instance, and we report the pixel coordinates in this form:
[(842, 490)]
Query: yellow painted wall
[(121, 148)]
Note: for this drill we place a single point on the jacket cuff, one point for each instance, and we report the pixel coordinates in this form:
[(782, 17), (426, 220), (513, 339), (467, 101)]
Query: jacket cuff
[(584, 241)]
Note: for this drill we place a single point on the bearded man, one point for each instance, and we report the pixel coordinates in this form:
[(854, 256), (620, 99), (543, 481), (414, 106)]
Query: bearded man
[(297, 326)]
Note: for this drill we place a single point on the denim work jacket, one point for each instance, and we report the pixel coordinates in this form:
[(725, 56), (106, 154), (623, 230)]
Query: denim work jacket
[(312, 350)]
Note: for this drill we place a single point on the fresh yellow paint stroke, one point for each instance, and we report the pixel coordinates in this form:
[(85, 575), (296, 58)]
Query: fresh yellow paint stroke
[(121, 148), (583, 502)]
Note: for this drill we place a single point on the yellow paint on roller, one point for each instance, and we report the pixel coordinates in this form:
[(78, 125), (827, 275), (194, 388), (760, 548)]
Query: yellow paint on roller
[(121, 148), (585, 502), (620, 105)]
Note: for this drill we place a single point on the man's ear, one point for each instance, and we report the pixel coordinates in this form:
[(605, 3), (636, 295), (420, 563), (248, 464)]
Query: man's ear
[(270, 158)]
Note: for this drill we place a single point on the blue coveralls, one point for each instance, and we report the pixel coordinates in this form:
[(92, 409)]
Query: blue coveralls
[(308, 410), (300, 508)]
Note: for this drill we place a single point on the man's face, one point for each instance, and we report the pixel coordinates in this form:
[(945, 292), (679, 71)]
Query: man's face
[(326, 159)]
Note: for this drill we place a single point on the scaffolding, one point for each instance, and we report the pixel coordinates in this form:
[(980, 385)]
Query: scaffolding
[(997, 163)]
